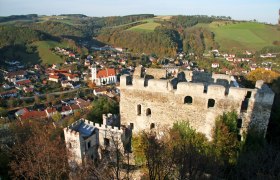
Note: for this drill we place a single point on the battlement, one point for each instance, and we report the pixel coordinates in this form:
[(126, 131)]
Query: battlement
[(149, 102), (262, 93), (71, 128)]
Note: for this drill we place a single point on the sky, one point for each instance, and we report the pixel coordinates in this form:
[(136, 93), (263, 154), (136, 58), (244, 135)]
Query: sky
[(261, 10)]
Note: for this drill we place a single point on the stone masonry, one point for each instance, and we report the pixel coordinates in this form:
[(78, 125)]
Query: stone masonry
[(149, 100)]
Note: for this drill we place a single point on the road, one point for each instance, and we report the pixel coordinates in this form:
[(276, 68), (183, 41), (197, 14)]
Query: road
[(55, 93)]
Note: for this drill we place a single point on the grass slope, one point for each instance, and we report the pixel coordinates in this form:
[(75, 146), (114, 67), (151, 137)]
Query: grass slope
[(243, 35), (147, 27), (46, 55)]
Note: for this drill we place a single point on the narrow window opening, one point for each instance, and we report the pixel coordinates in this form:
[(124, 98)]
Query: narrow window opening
[(248, 95), (89, 144), (205, 89), (239, 137), (106, 142), (152, 126), (148, 112), (188, 100), (239, 123), (131, 125), (244, 105), (138, 109), (211, 103)]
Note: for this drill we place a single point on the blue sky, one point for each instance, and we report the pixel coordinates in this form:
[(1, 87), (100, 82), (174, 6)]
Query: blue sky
[(261, 10)]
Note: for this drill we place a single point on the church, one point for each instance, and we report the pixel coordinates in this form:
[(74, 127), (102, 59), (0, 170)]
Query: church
[(104, 76)]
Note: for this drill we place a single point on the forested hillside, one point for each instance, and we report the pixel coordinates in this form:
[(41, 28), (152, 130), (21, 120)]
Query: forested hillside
[(11, 35), (162, 41), (58, 29), (143, 33)]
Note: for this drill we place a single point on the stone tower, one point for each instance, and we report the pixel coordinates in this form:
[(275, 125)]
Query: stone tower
[(93, 73), (81, 139)]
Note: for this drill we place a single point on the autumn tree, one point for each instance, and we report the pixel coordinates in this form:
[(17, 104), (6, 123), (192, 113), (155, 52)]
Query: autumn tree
[(56, 116), (3, 112), (262, 74), (225, 142), (40, 155), (102, 105), (157, 155), (189, 150)]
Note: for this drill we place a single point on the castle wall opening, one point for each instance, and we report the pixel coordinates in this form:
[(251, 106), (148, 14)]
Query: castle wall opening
[(188, 100), (211, 103), (139, 110), (148, 112), (152, 126)]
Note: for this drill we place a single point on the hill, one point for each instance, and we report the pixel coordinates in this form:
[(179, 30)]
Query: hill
[(148, 26), (11, 35), (45, 54), (236, 36)]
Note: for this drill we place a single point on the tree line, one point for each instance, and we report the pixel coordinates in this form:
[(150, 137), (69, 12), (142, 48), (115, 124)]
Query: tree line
[(162, 41), (11, 35), (183, 153)]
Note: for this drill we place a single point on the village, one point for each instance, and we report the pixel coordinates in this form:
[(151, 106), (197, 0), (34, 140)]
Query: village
[(48, 87)]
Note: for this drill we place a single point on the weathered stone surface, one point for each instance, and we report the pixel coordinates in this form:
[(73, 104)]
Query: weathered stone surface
[(167, 105)]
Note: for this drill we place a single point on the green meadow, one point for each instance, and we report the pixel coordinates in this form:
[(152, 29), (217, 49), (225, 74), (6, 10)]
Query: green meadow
[(243, 35)]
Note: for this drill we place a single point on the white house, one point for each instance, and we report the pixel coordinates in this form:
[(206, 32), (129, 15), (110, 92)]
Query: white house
[(215, 65), (54, 78), (104, 76)]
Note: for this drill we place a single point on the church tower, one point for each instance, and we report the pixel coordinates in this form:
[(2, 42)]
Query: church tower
[(279, 18), (93, 73)]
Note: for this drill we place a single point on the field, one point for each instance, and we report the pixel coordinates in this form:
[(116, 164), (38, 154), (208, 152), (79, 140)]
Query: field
[(243, 35), (162, 18), (147, 27), (46, 55)]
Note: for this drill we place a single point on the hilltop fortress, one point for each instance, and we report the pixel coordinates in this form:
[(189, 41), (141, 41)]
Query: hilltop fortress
[(150, 100)]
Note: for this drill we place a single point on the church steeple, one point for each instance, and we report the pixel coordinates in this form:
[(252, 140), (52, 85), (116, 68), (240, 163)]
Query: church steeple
[(279, 18), (93, 73)]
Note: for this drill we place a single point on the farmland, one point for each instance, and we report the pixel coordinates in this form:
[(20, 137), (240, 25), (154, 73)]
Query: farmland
[(243, 35)]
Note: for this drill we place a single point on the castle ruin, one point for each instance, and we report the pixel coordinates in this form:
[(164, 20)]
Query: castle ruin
[(85, 139), (149, 99)]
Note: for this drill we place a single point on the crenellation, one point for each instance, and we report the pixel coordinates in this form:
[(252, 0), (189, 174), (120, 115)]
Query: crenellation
[(157, 85), (235, 92), (97, 125), (216, 91), (198, 101), (189, 88)]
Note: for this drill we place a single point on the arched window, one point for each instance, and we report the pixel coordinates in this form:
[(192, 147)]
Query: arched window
[(138, 109), (148, 112), (211, 103), (152, 126), (188, 100), (69, 145)]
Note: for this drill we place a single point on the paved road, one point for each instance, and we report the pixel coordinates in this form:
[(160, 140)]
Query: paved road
[(55, 93)]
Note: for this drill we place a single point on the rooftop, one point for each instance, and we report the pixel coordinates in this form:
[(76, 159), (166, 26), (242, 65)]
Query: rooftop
[(106, 73), (84, 129)]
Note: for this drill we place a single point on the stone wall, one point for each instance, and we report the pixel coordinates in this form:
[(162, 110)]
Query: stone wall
[(159, 105)]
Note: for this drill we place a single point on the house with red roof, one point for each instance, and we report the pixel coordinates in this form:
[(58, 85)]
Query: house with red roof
[(33, 115), (104, 76), (66, 110), (50, 111), (72, 77), (14, 76), (53, 78), (10, 93), (23, 82)]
